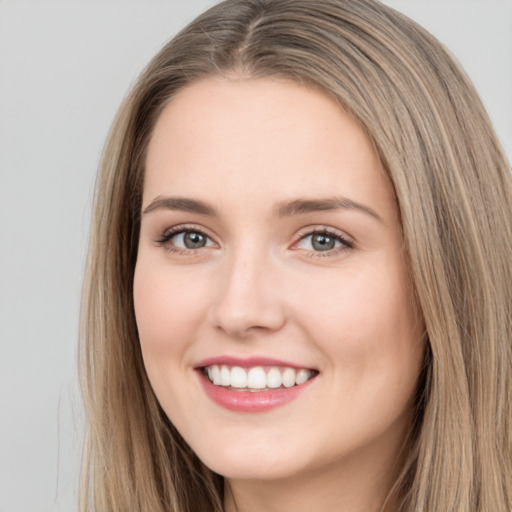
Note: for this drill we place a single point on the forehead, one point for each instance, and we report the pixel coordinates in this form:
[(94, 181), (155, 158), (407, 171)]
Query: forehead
[(223, 138)]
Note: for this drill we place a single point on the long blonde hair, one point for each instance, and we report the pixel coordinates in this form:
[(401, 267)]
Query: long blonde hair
[(453, 187)]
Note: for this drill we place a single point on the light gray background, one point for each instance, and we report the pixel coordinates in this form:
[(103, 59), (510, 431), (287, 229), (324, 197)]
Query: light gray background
[(64, 68)]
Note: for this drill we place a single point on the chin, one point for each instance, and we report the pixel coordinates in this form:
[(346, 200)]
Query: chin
[(253, 470), (250, 463)]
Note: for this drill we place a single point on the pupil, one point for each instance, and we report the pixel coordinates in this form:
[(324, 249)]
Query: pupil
[(323, 242), (194, 240)]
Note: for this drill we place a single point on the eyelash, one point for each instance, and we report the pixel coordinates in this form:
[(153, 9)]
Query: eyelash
[(170, 233), (346, 244)]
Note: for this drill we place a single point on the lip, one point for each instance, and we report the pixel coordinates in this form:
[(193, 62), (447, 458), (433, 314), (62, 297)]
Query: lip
[(249, 401), (247, 362)]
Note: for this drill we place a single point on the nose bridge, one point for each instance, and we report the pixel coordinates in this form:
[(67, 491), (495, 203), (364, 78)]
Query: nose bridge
[(248, 300)]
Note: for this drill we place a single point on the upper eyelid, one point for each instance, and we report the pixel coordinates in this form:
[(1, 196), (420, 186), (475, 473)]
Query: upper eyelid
[(307, 230), (319, 229), (181, 228)]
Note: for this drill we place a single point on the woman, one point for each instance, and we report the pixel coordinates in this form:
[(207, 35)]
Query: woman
[(298, 287)]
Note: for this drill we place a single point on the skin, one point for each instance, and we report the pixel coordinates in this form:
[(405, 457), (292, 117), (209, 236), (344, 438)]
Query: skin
[(260, 288)]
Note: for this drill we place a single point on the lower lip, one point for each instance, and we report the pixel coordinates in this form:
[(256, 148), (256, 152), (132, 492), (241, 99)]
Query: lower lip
[(248, 401)]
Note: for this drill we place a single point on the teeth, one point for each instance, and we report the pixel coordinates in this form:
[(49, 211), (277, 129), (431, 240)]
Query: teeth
[(216, 376), (302, 376), (257, 378), (238, 377), (225, 376), (289, 378), (274, 378)]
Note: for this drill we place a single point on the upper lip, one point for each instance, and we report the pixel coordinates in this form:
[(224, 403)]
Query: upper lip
[(248, 362)]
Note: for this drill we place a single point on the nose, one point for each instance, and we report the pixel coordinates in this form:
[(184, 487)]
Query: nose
[(249, 301)]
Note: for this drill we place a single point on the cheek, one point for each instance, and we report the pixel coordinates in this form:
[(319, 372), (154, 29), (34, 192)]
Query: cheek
[(168, 306), (367, 324), (354, 304)]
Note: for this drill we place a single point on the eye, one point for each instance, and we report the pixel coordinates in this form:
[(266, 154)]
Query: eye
[(319, 242), (180, 239), (189, 240), (324, 241)]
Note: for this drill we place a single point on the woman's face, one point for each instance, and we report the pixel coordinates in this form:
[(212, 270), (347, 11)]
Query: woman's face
[(271, 262)]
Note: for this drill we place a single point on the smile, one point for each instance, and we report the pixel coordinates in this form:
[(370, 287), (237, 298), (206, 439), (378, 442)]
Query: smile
[(257, 378), (253, 385)]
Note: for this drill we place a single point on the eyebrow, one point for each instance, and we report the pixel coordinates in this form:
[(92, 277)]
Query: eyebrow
[(301, 206), (304, 206), (181, 203)]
